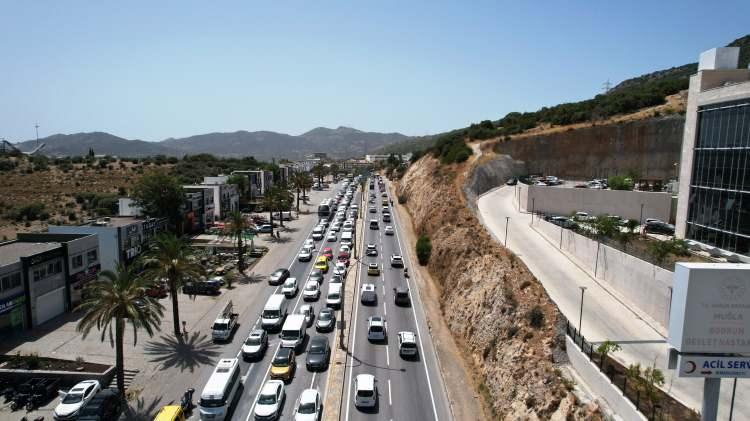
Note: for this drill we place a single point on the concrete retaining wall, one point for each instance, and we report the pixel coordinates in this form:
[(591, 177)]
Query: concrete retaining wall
[(626, 204), (600, 384), (67, 378), (646, 286)]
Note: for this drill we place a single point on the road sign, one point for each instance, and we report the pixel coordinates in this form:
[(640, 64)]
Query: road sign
[(712, 366)]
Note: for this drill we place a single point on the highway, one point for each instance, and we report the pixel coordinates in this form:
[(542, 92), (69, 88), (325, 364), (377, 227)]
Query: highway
[(407, 389)]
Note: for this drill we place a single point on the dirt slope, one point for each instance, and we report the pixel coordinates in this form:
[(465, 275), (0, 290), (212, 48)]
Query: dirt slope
[(487, 297)]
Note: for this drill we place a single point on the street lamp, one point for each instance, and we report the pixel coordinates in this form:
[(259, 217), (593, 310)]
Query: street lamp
[(580, 315)]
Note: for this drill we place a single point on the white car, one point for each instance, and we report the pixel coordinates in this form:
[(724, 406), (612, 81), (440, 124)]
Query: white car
[(311, 291), (309, 313), (305, 255), (310, 243), (270, 401), (336, 227), (345, 249), (75, 399), (290, 288), (331, 237), (397, 261), (407, 344), (337, 279), (372, 250), (308, 406), (376, 328), (340, 269), (365, 391), (388, 230)]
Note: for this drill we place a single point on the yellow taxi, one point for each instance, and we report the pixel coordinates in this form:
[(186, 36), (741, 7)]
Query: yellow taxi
[(322, 264), (373, 269), (283, 364), (170, 413)]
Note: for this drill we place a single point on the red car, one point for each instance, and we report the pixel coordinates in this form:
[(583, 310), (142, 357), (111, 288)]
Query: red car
[(344, 259), (328, 252)]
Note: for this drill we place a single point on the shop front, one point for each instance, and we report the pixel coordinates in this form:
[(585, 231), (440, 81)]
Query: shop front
[(78, 283), (13, 313)]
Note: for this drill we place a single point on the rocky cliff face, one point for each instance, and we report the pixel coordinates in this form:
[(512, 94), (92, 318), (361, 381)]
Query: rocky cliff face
[(491, 302)]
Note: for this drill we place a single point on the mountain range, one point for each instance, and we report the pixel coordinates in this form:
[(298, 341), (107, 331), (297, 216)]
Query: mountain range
[(342, 142)]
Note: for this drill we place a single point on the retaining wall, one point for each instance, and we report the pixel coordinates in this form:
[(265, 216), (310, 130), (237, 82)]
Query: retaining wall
[(67, 378)]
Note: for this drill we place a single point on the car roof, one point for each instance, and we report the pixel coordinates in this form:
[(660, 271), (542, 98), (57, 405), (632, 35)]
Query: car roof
[(257, 332), (308, 395), (271, 386), (407, 336), (318, 339), (376, 319), (284, 352), (365, 382), (372, 264)]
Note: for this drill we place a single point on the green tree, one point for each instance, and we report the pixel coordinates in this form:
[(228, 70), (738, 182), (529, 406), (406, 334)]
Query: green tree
[(334, 169), (296, 182), (283, 201), (319, 170), (241, 182), (306, 182), (620, 182), (607, 347), (171, 258), (605, 227), (91, 154), (235, 229), (160, 194), (115, 299), (424, 249)]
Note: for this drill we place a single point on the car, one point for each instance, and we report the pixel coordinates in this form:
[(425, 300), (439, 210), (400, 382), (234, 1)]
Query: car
[(337, 279), (343, 259), (376, 329), (340, 268), (327, 252), (318, 355), (265, 229), (305, 255), (345, 249), (290, 287), (278, 276), (326, 320), (373, 209), (311, 291), (331, 237), (270, 401), (316, 275), (384, 194), (407, 344), (365, 391), (255, 345), (322, 264), (372, 250), (344, 253), (397, 261), (75, 399), (106, 405), (511, 182), (659, 227), (309, 243), (368, 296), (336, 227), (308, 406), (373, 269), (401, 296), (309, 313), (323, 222), (388, 230), (283, 364)]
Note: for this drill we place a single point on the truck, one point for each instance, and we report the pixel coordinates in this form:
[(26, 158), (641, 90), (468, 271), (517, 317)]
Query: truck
[(225, 323)]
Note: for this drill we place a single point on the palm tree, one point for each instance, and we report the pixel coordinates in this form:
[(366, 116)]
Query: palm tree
[(236, 230), (120, 297), (306, 183), (296, 183), (284, 199), (320, 171), (171, 258)]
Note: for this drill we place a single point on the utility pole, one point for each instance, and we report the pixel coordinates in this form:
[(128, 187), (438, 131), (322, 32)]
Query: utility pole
[(607, 86), (507, 222), (580, 315)]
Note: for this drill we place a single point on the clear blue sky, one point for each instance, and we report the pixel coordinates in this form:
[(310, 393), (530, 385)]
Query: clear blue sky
[(152, 70)]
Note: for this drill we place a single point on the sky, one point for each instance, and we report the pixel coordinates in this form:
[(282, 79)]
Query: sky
[(153, 70)]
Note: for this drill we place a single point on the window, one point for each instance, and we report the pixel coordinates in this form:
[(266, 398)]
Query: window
[(58, 267), (15, 280), (92, 256), (5, 283), (50, 268), (78, 261)]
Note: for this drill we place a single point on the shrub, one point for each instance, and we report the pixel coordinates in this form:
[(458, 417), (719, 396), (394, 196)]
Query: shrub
[(72, 216), (7, 165), (401, 199), (535, 316), (29, 212), (451, 148), (620, 182), (424, 249)]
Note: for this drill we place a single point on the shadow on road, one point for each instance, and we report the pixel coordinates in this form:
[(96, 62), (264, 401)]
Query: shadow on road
[(197, 350), (142, 411), (253, 278), (281, 240)]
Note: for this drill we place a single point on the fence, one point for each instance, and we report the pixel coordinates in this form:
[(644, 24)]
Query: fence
[(657, 405)]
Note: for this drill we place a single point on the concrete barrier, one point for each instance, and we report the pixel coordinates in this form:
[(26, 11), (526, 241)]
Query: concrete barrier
[(643, 284), (600, 384), (67, 378)]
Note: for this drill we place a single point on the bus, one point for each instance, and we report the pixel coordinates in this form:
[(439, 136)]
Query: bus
[(220, 391)]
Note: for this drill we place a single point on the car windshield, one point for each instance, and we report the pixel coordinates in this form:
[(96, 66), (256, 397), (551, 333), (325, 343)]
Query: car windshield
[(289, 284), (307, 408), (376, 328), (311, 287), (267, 399), (270, 314), (317, 348), (365, 393), (212, 403), (280, 360), (220, 326), (409, 345), (73, 398), (253, 340), (325, 315)]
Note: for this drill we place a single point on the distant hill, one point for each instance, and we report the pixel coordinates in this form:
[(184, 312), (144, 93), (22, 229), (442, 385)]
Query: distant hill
[(343, 142)]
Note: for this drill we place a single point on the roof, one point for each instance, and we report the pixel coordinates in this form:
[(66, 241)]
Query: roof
[(14, 251), (308, 395), (366, 382), (222, 373)]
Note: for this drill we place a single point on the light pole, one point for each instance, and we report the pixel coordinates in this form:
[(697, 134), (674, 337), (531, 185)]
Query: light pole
[(580, 315), (533, 200), (640, 221), (507, 222)]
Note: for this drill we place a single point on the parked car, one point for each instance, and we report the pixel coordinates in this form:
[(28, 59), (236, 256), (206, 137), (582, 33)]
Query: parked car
[(201, 288), (659, 227), (105, 406), (75, 399), (511, 182), (265, 229)]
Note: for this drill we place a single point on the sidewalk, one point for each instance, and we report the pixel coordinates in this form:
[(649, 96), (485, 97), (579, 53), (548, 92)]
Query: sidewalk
[(604, 316)]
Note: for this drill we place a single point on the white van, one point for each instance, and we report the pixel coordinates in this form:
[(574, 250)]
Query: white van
[(333, 299), (221, 390), (274, 313), (347, 238), (318, 232), (294, 331)]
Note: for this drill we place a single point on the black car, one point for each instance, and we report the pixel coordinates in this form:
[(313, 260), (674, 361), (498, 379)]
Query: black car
[(659, 227), (511, 182), (106, 405), (401, 296), (278, 276), (319, 354), (201, 288)]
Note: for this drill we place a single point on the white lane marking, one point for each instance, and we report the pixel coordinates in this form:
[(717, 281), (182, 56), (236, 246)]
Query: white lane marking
[(387, 356), (312, 383), (390, 400), (255, 400), (416, 323), (385, 310)]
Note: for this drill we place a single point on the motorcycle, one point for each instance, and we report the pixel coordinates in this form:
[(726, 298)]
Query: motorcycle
[(406, 273), (187, 400)]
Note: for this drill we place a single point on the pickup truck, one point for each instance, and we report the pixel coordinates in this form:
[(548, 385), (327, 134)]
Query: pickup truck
[(225, 323)]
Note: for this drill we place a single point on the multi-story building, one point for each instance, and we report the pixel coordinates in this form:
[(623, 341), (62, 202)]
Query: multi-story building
[(199, 208), (226, 197), (121, 238), (42, 275), (285, 172), (378, 158), (258, 182), (714, 195)]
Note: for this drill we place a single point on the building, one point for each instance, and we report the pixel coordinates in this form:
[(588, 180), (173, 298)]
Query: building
[(308, 164), (355, 164), (379, 158), (714, 194), (121, 238), (42, 275), (258, 182), (199, 208), (226, 196), (285, 173)]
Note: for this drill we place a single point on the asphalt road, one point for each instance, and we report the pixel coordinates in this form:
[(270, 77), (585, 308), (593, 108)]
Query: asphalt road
[(407, 389)]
